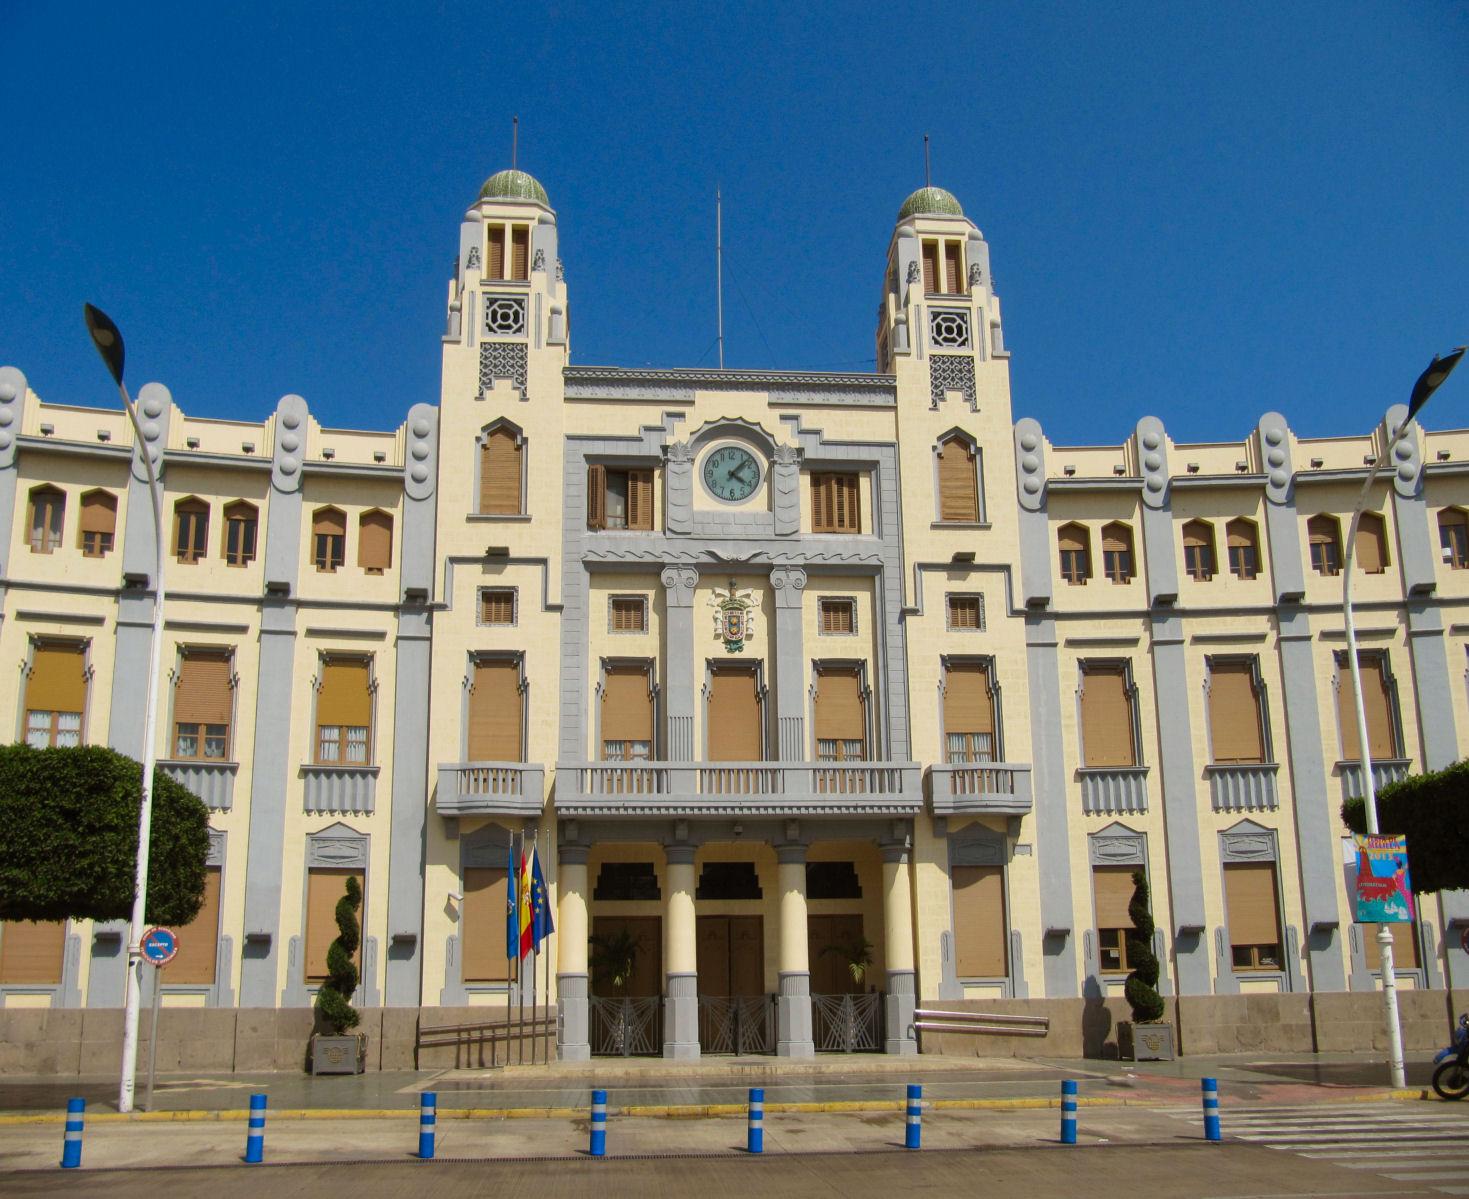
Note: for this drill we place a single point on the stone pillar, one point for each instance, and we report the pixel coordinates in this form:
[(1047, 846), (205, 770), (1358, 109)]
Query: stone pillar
[(571, 953), (678, 661), (897, 919), (793, 1006), (680, 958), (789, 585)]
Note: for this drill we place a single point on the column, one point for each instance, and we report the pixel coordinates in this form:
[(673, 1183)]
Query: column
[(678, 661), (680, 958), (789, 585), (897, 919), (571, 953), (793, 1005)]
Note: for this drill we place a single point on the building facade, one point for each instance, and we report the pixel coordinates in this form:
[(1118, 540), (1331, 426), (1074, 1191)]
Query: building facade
[(822, 695)]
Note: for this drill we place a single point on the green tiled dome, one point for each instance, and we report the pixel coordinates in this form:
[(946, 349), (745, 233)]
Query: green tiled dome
[(930, 201), (513, 185)]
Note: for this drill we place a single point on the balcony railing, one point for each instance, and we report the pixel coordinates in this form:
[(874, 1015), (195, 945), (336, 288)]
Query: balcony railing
[(340, 790), (1242, 786), (994, 788), (491, 789), (1384, 771), (213, 782), (715, 788), (1109, 790)]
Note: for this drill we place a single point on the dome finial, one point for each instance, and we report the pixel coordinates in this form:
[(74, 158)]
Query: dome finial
[(513, 185), (930, 201)]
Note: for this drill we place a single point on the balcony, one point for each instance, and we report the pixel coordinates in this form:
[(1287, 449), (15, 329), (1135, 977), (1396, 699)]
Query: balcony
[(1113, 790), (340, 790), (491, 789), (1242, 786), (981, 789), (211, 781), (738, 789), (1384, 771)]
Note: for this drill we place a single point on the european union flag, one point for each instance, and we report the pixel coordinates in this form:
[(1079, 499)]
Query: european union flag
[(542, 926)]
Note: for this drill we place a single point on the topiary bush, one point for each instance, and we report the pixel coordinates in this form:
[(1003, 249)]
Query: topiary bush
[(1432, 810), (1141, 987), (69, 838), (333, 1001)]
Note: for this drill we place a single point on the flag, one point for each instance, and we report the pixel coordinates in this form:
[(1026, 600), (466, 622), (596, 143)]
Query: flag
[(512, 908), (523, 894), (542, 926)]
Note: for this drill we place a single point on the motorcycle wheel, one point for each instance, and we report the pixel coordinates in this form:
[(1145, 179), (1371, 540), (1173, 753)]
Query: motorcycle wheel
[(1451, 1079)]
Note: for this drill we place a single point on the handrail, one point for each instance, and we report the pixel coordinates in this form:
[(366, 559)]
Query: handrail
[(988, 1023)]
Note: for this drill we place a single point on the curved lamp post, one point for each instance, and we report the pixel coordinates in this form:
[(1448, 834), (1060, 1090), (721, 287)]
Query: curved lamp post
[(108, 340), (1428, 382)]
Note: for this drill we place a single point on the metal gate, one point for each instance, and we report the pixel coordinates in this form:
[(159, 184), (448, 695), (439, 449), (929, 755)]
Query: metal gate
[(627, 1027), (847, 1023), (737, 1024)]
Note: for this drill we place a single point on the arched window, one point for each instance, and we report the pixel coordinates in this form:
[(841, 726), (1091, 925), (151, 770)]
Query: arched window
[(1243, 539), (1074, 542), (501, 466), (1324, 534), (48, 507), (241, 527), (1453, 537), (98, 525), (1372, 544), (958, 480), (190, 529), (328, 539), (1198, 550), (1117, 552), (375, 541)]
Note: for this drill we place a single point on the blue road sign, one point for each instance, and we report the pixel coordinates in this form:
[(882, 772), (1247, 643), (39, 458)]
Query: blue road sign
[(160, 945)]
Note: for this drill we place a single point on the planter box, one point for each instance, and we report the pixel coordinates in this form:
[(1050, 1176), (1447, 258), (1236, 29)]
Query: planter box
[(1145, 1042), (339, 1055)]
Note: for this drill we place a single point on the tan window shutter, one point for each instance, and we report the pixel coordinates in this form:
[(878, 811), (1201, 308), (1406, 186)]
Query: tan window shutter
[(482, 924), (1106, 718), (58, 682), (837, 616), (627, 705), (839, 709), (1073, 538), (1249, 891), (499, 476), (496, 268), (199, 939), (596, 497), (329, 522), (968, 705), (979, 921), (497, 606), (1376, 701), (203, 693), (1240, 534), (958, 498), (1371, 544), (1404, 946), (1113, 887), (963, 612), (821, 487), (953, 268), (639, 499), (733, 713), (520, 252), (841, 504), (1116, 539), (629, 614), (375, 541), (344, 698), (99, 512), (324, 888), (31, 951), (930, 267), (1234, 713), (495, 711)]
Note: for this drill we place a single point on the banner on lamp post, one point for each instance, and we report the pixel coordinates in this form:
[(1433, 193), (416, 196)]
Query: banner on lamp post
[(1384, 889)]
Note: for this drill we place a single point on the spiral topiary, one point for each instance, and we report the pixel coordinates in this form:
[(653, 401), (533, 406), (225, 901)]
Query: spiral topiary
[(333, 1001), (1141, 987)]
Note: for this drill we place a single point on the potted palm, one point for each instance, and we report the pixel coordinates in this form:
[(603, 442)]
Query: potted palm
[(1147, 1037), (338, 1050), (614, 961), (855, 954)]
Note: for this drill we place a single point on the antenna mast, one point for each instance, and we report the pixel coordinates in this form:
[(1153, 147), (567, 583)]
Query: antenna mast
[(515, 140), (927, 173), (719, 267)]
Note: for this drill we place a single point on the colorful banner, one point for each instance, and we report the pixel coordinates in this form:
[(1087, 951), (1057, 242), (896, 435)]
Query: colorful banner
[(1384, 891)]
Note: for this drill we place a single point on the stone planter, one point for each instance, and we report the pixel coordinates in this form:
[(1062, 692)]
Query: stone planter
[(339, 1055), (1145, 1042)]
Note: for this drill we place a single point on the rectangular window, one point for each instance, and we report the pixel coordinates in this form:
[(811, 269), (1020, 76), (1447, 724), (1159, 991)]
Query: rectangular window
[(943, 267), (1107, 717), (199, 939), (969, 713), (497, 605), (344, 712), (520, 252), (627, 713), (98, 523), (841, 716), (1235, 716), (482, 925), (628, 614), (930, 267), (496, 712), (56, 696), (733, 715), (1112, 887), (966, 612), (1254, 920), (838, 616), (834, 504), (1453, 538), (31, 951), (953, 268), (190, 530), (980, 923), (324, 888), (495, 266), (1377, 702), (202, 706), (1242, 562), (619, 499), (241, 524)]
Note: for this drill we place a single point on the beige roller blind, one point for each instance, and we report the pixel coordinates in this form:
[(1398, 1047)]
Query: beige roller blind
[(1072, 537), (375, 541), (520, 252), (930, 267), (1249, 892), (1234, 714), (203, 695), (330, 522), (496, 267), (1116, 539), (627, 705), (495, 715), (839, 714), (958, 499), (953, 268), (639, 499), (1376, 701), (482, 927), (734, 717), (31, 952), (99, 512), (1106, 718), (979, 921), (57, 682), (323, 889), (199, 939), (968, 706), (1113, 888), (344, 698), (1371, 544), (499, 474)]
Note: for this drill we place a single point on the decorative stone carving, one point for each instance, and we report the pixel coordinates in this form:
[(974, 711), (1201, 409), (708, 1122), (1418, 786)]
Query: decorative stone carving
[(1247, 842), (1117, 845), (679, 583), (948, 329), (976, 274), (290, 443), (560, 271), (471, 263), (1153, 456), (1407, 461), (420, 466), (538, 261), (734, 616), (788, 582), (951, 372), (785, 481), (678, 483), (913, 272), (505, 316), (1274, 454), (337, 845), (503, 360)]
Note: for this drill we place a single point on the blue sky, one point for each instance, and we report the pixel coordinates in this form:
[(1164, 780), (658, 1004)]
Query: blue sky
[(1202, 212)]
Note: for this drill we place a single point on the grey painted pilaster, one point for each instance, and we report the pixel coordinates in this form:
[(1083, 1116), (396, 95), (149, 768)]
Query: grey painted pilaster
[(681, 1018), (12, 410), (283, 522), (1035, 536), (1058, 936), (107, 971), (1158, 548), (789, 584), (785, 481), (678, 487), (1282, 526), (678, 660), (902, 999), (573, 1038)]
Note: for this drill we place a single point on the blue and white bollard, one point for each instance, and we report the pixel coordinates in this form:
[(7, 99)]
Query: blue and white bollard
[(255, 1138), (755, 1138), (428, 1107), (598, 1146), (1068, 1112), (71, 1142), (913, 1134), (1210, 1088)]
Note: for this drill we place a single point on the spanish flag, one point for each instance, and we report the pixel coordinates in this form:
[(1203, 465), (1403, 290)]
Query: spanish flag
[(526, 905)]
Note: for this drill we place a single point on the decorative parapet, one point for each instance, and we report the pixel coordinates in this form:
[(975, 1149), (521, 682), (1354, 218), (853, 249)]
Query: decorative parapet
[(1243, 786), (1113, 789), (340, 790), (491, 789), (1384, 771), (680, 384), (982, 789), (213, 782)]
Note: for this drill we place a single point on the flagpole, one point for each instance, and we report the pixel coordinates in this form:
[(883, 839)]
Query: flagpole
[(535, 950), (520, 958), (512, 904)]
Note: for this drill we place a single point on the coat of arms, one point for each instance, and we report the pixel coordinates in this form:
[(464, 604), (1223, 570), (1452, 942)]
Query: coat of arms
[(734, 617)]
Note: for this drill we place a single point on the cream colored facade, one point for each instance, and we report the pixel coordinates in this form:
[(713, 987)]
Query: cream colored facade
[(746, 880)]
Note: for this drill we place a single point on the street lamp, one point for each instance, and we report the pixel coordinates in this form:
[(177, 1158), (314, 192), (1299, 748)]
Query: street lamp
[(108, 339), (1428, 382)]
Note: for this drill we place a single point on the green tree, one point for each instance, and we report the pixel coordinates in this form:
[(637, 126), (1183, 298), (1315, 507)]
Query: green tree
[(69, 838), (1141, 987), (1432, 810), (333, 1001)]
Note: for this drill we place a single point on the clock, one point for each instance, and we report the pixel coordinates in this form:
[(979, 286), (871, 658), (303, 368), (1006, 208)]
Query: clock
[(731, 473)]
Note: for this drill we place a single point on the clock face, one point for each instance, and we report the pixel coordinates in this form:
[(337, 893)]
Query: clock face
[(731, 473)]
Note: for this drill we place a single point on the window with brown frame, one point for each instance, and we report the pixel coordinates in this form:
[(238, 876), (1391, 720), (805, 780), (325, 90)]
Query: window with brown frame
[(981, 926), (48, 510), (31, 951), (324, 890), (98, 524), (1074, 543), (626, 723), (497, 605), (1254, 916), (241, 529), (969, 713), (840, 715), (838, 616), (495, 259), (482, 924), (56, 695), (1324, 534), (958, 481), (202, 705), (519, 258), (344, 712), (1117, 552), (520, 252), (619, 499), (496, 730), (1453, 537), (835, 504), (1378, 701), (1198, 550), (501, 471), (628, 614), (329, 539), (943, 266), (1236, 713), (1372, 544), (190, 529), (374, 541), (1243, 540), (1112, 888), (1108, 715), (965, 613)]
